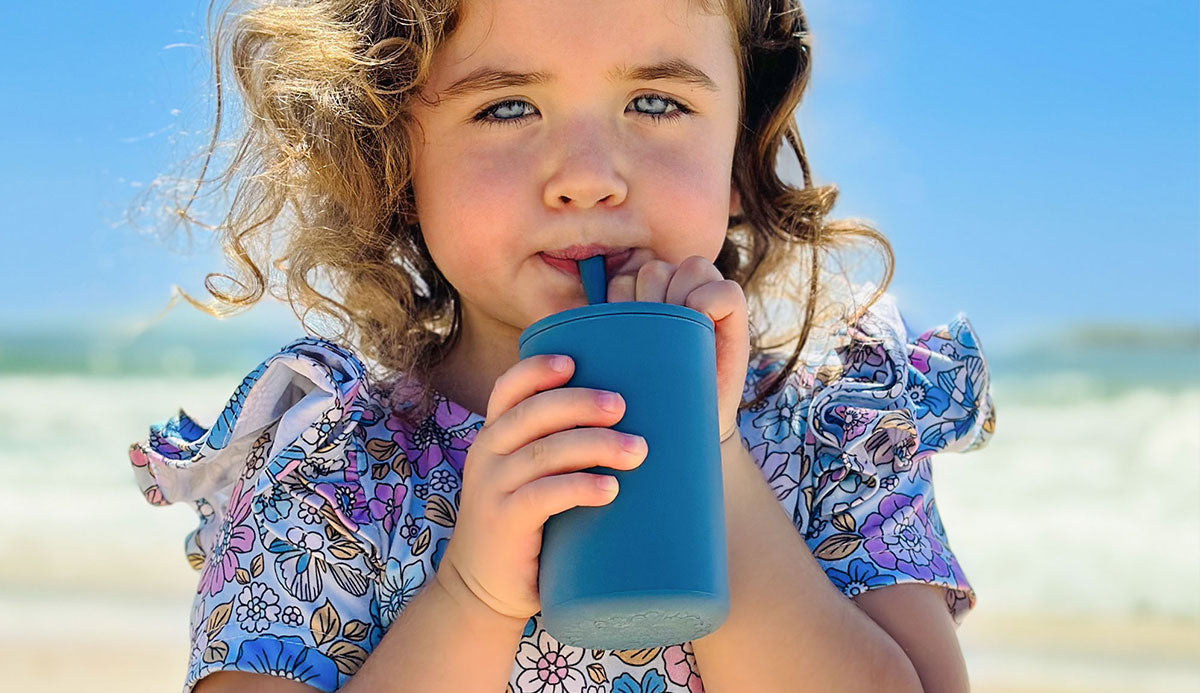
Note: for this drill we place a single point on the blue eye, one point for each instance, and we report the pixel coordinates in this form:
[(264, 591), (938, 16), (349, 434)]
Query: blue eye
[(485, 116)]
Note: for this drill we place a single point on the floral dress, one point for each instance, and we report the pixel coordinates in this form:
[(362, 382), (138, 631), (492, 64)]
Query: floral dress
[(321, 513)]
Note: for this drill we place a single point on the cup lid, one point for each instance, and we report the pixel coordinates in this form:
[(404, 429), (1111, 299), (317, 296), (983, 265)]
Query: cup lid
[(596, 310)]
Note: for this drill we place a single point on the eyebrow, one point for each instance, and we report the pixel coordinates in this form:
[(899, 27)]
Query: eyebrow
[(489, 78)]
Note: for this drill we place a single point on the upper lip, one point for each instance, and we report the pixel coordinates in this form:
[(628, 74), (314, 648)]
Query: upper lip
[(580, 252)]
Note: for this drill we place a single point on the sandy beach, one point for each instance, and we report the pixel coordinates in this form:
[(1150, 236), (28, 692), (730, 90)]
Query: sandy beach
[(132, 647)]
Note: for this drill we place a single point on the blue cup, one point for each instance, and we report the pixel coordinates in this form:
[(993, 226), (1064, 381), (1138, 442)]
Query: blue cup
[(650, 568)]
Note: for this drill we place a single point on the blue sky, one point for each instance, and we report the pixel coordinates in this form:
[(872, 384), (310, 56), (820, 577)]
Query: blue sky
[(1034, 164)]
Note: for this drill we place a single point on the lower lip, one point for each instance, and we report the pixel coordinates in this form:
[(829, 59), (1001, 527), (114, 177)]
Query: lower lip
[(612, 263)]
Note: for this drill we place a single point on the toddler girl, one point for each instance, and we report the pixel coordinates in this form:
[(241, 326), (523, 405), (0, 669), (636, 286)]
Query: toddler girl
[(371, 502)]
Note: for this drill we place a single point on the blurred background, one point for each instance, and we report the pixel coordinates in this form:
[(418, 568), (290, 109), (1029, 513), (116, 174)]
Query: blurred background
[(1034, 164)]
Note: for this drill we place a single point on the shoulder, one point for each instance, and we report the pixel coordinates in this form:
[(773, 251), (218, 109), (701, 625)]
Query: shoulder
[(291, 530), (846, 440), (931, 388), (304, 393), (288, 449)]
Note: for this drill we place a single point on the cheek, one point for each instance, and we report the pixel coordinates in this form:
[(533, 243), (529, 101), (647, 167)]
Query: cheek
[(482, 180), (464, 199), (690, 199)]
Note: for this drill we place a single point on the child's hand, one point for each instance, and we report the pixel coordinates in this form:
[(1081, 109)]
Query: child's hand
[(698, 284), (516, 476)]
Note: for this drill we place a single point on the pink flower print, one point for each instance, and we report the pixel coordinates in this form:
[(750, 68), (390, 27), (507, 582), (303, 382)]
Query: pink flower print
[(681, 667), (549, 667), (899, 538), (388, 504), (855, 420), (233, 539), (864, 353), (919, 356)]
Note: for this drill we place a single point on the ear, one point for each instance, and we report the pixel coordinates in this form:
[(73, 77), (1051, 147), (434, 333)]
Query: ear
[(735, 201)]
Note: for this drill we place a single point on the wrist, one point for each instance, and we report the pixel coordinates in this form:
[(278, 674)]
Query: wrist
[(473, 610)]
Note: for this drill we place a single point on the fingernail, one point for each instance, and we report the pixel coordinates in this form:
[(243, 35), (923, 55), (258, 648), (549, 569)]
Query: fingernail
[(560, 363), (609, 400), (631, 443)]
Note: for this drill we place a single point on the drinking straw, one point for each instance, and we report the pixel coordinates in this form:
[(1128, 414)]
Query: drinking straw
[(595, 283)]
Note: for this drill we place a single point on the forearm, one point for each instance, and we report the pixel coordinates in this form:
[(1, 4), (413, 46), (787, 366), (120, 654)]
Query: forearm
[(789, 628), (442, 641)]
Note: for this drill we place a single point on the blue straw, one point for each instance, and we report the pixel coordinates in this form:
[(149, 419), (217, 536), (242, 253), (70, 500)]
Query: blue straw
[(595, 284)]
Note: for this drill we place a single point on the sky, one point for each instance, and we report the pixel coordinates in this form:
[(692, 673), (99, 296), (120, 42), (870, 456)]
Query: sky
[(1034, 165)]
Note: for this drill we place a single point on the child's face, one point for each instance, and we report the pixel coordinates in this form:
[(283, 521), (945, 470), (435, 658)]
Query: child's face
[(579, 160)]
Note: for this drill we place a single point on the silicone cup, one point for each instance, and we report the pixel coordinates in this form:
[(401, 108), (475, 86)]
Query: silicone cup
[(649, 568)]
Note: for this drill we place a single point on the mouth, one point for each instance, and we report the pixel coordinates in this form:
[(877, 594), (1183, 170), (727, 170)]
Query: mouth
[(564, 259)]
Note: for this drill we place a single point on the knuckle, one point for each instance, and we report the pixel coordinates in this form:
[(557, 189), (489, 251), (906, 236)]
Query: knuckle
[(527, 499), (654, 267), (538, 452)]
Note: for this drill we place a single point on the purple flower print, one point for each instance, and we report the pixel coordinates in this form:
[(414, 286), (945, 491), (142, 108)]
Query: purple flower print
[(234, 538), (444, 435), (899, 538), (348, 502), (388, 504), (860, 352)]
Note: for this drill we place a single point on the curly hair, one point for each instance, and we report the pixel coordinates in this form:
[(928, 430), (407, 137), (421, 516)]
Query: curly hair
[(322, 168)]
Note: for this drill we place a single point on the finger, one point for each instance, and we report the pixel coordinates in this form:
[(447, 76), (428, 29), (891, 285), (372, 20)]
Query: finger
[(548, 412), (693, 273), (528, 376), (652, 279), (621, 288), (570, 451), (536, 501), (722, 301)]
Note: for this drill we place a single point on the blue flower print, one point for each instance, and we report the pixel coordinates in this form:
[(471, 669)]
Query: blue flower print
[(400, 585), (274, 505), (288, 658), (859, 577), (652, 682), (301, 562), (436, 560), (782, 420), (927, 397)]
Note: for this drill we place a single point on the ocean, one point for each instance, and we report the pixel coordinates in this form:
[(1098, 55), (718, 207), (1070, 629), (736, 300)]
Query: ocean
[(1083, 508)]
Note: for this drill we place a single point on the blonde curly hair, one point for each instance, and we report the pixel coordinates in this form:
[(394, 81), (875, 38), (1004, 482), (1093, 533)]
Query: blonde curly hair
[(322, 169)]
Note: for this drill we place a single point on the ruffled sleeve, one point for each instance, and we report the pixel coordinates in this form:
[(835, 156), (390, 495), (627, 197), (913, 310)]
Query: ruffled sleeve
[(847, 448), (288, 558)]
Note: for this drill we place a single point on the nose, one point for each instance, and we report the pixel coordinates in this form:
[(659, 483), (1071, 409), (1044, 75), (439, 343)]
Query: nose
[(586, 177)]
